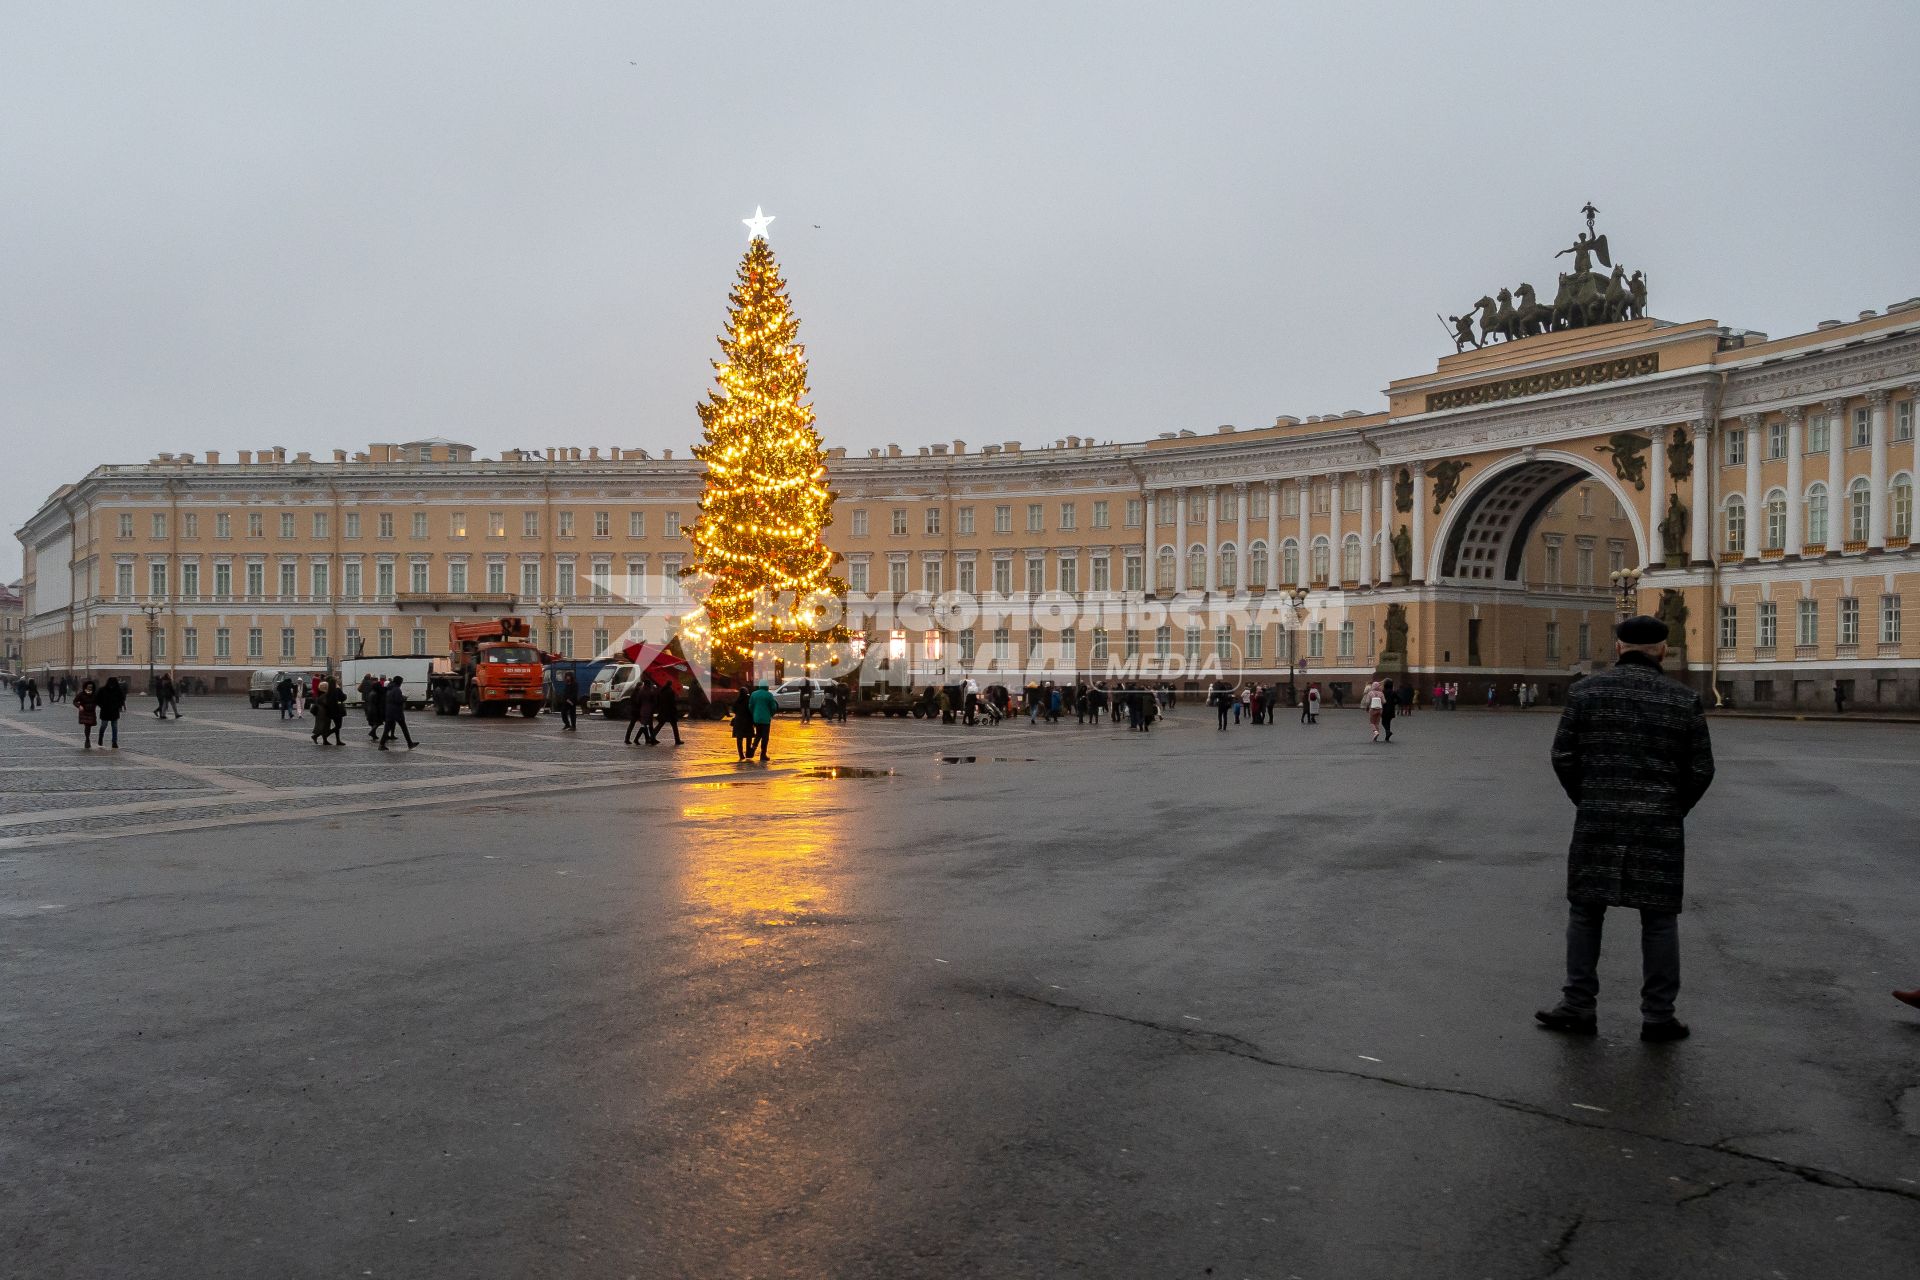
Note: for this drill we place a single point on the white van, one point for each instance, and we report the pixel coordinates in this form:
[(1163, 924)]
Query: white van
[(414, 671)]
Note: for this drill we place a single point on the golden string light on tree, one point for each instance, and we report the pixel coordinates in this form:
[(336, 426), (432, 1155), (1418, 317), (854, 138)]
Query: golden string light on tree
[(759, 541)]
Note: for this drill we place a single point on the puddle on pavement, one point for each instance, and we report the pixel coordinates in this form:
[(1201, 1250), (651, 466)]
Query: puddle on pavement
[(837, 771), (713, 786), (988, 760)]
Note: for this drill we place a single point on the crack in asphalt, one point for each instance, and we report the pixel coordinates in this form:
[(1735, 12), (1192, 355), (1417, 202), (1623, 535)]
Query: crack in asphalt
[(1239, 1047), (1558, 1252)]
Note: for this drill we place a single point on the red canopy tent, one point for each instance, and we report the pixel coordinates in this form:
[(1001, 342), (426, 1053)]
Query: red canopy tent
[(661, 663)]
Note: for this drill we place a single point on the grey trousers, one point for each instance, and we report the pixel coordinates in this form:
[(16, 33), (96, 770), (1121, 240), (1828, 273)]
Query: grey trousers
[(1659, 960)]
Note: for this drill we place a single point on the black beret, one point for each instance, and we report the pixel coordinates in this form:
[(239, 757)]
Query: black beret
[(1641, 629)]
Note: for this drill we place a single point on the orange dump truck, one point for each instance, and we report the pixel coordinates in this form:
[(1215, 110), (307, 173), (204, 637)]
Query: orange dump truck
[(494, 667)]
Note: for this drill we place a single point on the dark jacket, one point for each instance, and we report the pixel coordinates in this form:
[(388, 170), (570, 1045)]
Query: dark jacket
[(1633, 754), (396, 702), (665, 705), (373, 699), (336, 704), (112, 699)]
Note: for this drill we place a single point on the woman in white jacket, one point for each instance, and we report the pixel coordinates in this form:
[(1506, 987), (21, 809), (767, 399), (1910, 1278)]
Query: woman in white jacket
[(1375, 702)]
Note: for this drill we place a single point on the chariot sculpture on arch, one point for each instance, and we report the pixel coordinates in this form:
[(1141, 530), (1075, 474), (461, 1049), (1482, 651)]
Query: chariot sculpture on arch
[(1582, 297)]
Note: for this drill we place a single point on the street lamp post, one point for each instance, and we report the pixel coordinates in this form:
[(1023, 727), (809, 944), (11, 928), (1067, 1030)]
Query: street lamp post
[(153, 608), (1626, 588), (550, 610), (1298, 595)]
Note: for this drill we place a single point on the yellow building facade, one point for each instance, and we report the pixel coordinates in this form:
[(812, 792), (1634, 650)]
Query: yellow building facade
[(1470, 531)]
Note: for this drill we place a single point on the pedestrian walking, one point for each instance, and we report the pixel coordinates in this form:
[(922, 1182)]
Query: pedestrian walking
[(1222, 698), (86, 708), (373, 703), (666, 711), (1389, 708), (569, 699), (33, 694), (394, 715), (743, 725), (1376, 705), (1633, 754), (640, 712), (336, 703), (762, 706), (322, 717), (112, 701), (20, 691), (806, 702), (1313, 703)]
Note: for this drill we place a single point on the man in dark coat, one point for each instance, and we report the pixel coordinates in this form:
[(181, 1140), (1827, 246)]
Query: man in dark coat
[(373, 703), (569, 700), (1633, 754), (640, 711), (395, 715), (666, 711)]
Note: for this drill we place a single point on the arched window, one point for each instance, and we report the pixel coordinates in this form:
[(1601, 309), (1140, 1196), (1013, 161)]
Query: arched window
[(1322, 555), (1350, 553), (1197, 567), (1163, 572), (1859, 505), (1229, 567), (1900, 506), (1257, 566), (1289, 562), (1736, 523), (1776, 521), (1817, 516)]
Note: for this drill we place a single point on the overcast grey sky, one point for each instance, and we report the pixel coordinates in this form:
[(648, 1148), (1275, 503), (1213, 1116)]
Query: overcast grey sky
[(231, 225)]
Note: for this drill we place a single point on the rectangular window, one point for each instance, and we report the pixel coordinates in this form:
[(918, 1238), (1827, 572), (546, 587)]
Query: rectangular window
[(1256, 643), (126, 633), (319, 642), (1229, 506), (320, 526), (350, 580), (497, 578), (126, 524), (599, 641), (384, 642), (1098, 651), (859, 524), (1166, 508), (1553, 642), (1317, 641), (1100, 516), (1101, 575), (384, 525), (1002, 643), (289, 580), (1902, 422), (256, 580), (1807, 624), (1766, 631), (636, 524), (419, 639), (157, 578), (1583, 557), (930, 577), (1003, 519), (286, 524), (420, 531), (673, 524), (1036, 517), (1862, 429), (159, 525), (350, 525), (222, 581), (966, 644), (1890, 619), (963, 521), (1776, 440), (222, 643), (256, 524), (564, 526), (286, 642), (1131, 639), (1036, 575), (317, 579), (496, 524), (256, 643), (1003, 576), (417, 577), (383, 581), (1069, 516), (530, 579), (190, 525), (190, 642), (222, 525), (966, 585), (1346, 640), (1736, 447), (529, 524), (1069, 574), (457, 577), (897, 577), (602, 528), (933, 520), (566, 642), (190, 579), (564, 579), (457, 523), (1818, 439), (898, 527), (1136, 513), (353, 643), (1136, 571), (1584, 637), (1849, 620), (857, 576), (1729, 626)]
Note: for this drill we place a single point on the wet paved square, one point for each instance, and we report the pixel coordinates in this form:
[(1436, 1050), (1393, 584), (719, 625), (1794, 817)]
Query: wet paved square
[(927, 1000)]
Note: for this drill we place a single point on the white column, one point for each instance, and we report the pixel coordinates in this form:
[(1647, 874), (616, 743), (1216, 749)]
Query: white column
[(1657, 499), (1877, 440), (1796, 480), (1242, 553), (1273, 535), (1838, 508), (1366, 528), (1386, 526), (1180, 540), (1333, 531), (1756, 521), (1306, 549), (1702, 513), (1419, 522), (1146, 522), (1213, 538)]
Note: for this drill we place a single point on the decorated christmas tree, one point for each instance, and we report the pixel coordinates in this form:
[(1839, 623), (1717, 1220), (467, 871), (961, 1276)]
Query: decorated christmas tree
[(759, 548)]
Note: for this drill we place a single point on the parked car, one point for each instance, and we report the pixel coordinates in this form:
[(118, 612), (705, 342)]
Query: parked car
[(260, 685), (786, 694)]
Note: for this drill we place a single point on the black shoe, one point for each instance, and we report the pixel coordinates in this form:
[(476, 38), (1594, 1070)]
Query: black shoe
[(383, 746), (1664, 1032), (1572, 1023)]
